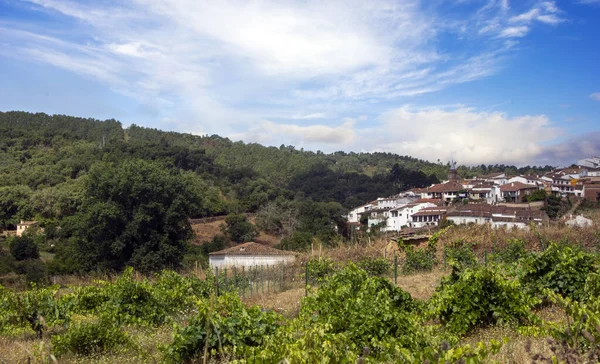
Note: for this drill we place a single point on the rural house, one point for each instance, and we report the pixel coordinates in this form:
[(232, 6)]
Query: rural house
[(248, 255)]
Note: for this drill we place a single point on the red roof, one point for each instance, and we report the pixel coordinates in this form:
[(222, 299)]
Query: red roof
[(445, 187), (429, 211)]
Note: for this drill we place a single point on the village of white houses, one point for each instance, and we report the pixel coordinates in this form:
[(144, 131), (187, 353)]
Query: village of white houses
[(497, 199)]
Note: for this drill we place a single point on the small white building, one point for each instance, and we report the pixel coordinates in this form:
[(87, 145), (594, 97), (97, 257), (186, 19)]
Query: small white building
[(249, 255), (578, 221), (24, 225), (354, 215)]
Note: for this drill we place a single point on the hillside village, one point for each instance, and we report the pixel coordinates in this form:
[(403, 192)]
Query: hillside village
[(497, 199)]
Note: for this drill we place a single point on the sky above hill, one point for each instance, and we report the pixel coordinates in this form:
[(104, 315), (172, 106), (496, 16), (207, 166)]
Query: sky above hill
[(479, 81)]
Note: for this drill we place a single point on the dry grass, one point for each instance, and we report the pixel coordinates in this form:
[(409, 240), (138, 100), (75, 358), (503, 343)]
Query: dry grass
[(145, 349), (515, 350), (421, 285), (487, 238), (286, 303)]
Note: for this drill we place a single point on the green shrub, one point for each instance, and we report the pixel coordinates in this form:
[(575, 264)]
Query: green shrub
[(87, 299), (352, 311), (560, 268), (223, 323), (133, 302), (418, 260), (23, 247), (367, 310), (462, 253), (480, 296), (36, 309), (375, 266), (321, 268), (90, 338), (299, 240), (513, 252)]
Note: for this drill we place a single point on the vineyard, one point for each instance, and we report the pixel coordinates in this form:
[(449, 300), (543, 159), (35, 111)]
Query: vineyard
[(541, 298)]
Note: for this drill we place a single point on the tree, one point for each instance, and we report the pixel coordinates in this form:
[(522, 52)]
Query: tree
[(24, 247), (238, 228), (135, 213)]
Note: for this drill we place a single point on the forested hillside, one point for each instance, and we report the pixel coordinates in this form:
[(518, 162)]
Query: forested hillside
[(109, 196)]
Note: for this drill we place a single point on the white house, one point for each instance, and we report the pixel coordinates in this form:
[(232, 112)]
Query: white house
[(249, 255), (593, 162), (354, 215), (402, 216), (497, 216), (429, 216), (578, 221), (24, 225)]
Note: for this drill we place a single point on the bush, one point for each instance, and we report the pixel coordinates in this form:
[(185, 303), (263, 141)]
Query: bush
[(561, 268), (418, 260), (34, 271), (480, 296), (90, 338), (461, 253), (514, 251), (319, 269), (222, 323), (23, 248), (238, 228), (299, 240), (375, 266)]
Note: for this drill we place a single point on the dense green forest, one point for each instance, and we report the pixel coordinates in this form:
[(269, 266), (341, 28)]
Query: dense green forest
[(109, 196)]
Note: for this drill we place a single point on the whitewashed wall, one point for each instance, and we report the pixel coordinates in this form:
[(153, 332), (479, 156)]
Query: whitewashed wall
[(222, 261)]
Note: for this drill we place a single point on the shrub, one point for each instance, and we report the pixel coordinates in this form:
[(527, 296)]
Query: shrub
[(513, 252), (90, 338), (418, 260), (319, 269), (365, 309), (23, 248), (238, 228), (299, 240), (480, 296), (561, 268), (223, 323), (375, 266), (133, 302), (462, 253)]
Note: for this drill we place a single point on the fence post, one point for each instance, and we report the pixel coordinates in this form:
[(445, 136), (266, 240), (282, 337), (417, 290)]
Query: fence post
[(485, 258), (243, 280), (217, 279), (597, 236), (225, 277), (262, 279), (251, 279), (395, 269), (445, 259), (306, 280), (268, 280)]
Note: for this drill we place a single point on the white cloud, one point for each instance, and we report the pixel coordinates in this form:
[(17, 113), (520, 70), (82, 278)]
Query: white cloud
[(595, 96), (268, 132), (225, 66), (514, 32), (465, 134)]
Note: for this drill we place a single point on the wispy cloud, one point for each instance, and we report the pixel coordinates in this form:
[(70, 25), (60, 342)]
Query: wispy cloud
[(215, 66), (595, 96)]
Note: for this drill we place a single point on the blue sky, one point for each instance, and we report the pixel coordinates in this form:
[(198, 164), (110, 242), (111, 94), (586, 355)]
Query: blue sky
[(480, 81)]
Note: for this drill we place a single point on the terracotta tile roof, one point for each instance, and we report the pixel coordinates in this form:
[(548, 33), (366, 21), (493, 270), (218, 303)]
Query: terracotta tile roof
[(445, 187), (492, 175), (429, 211), (516, 186), (251, 248), (430, 200), (497, 212), (27, 223)]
